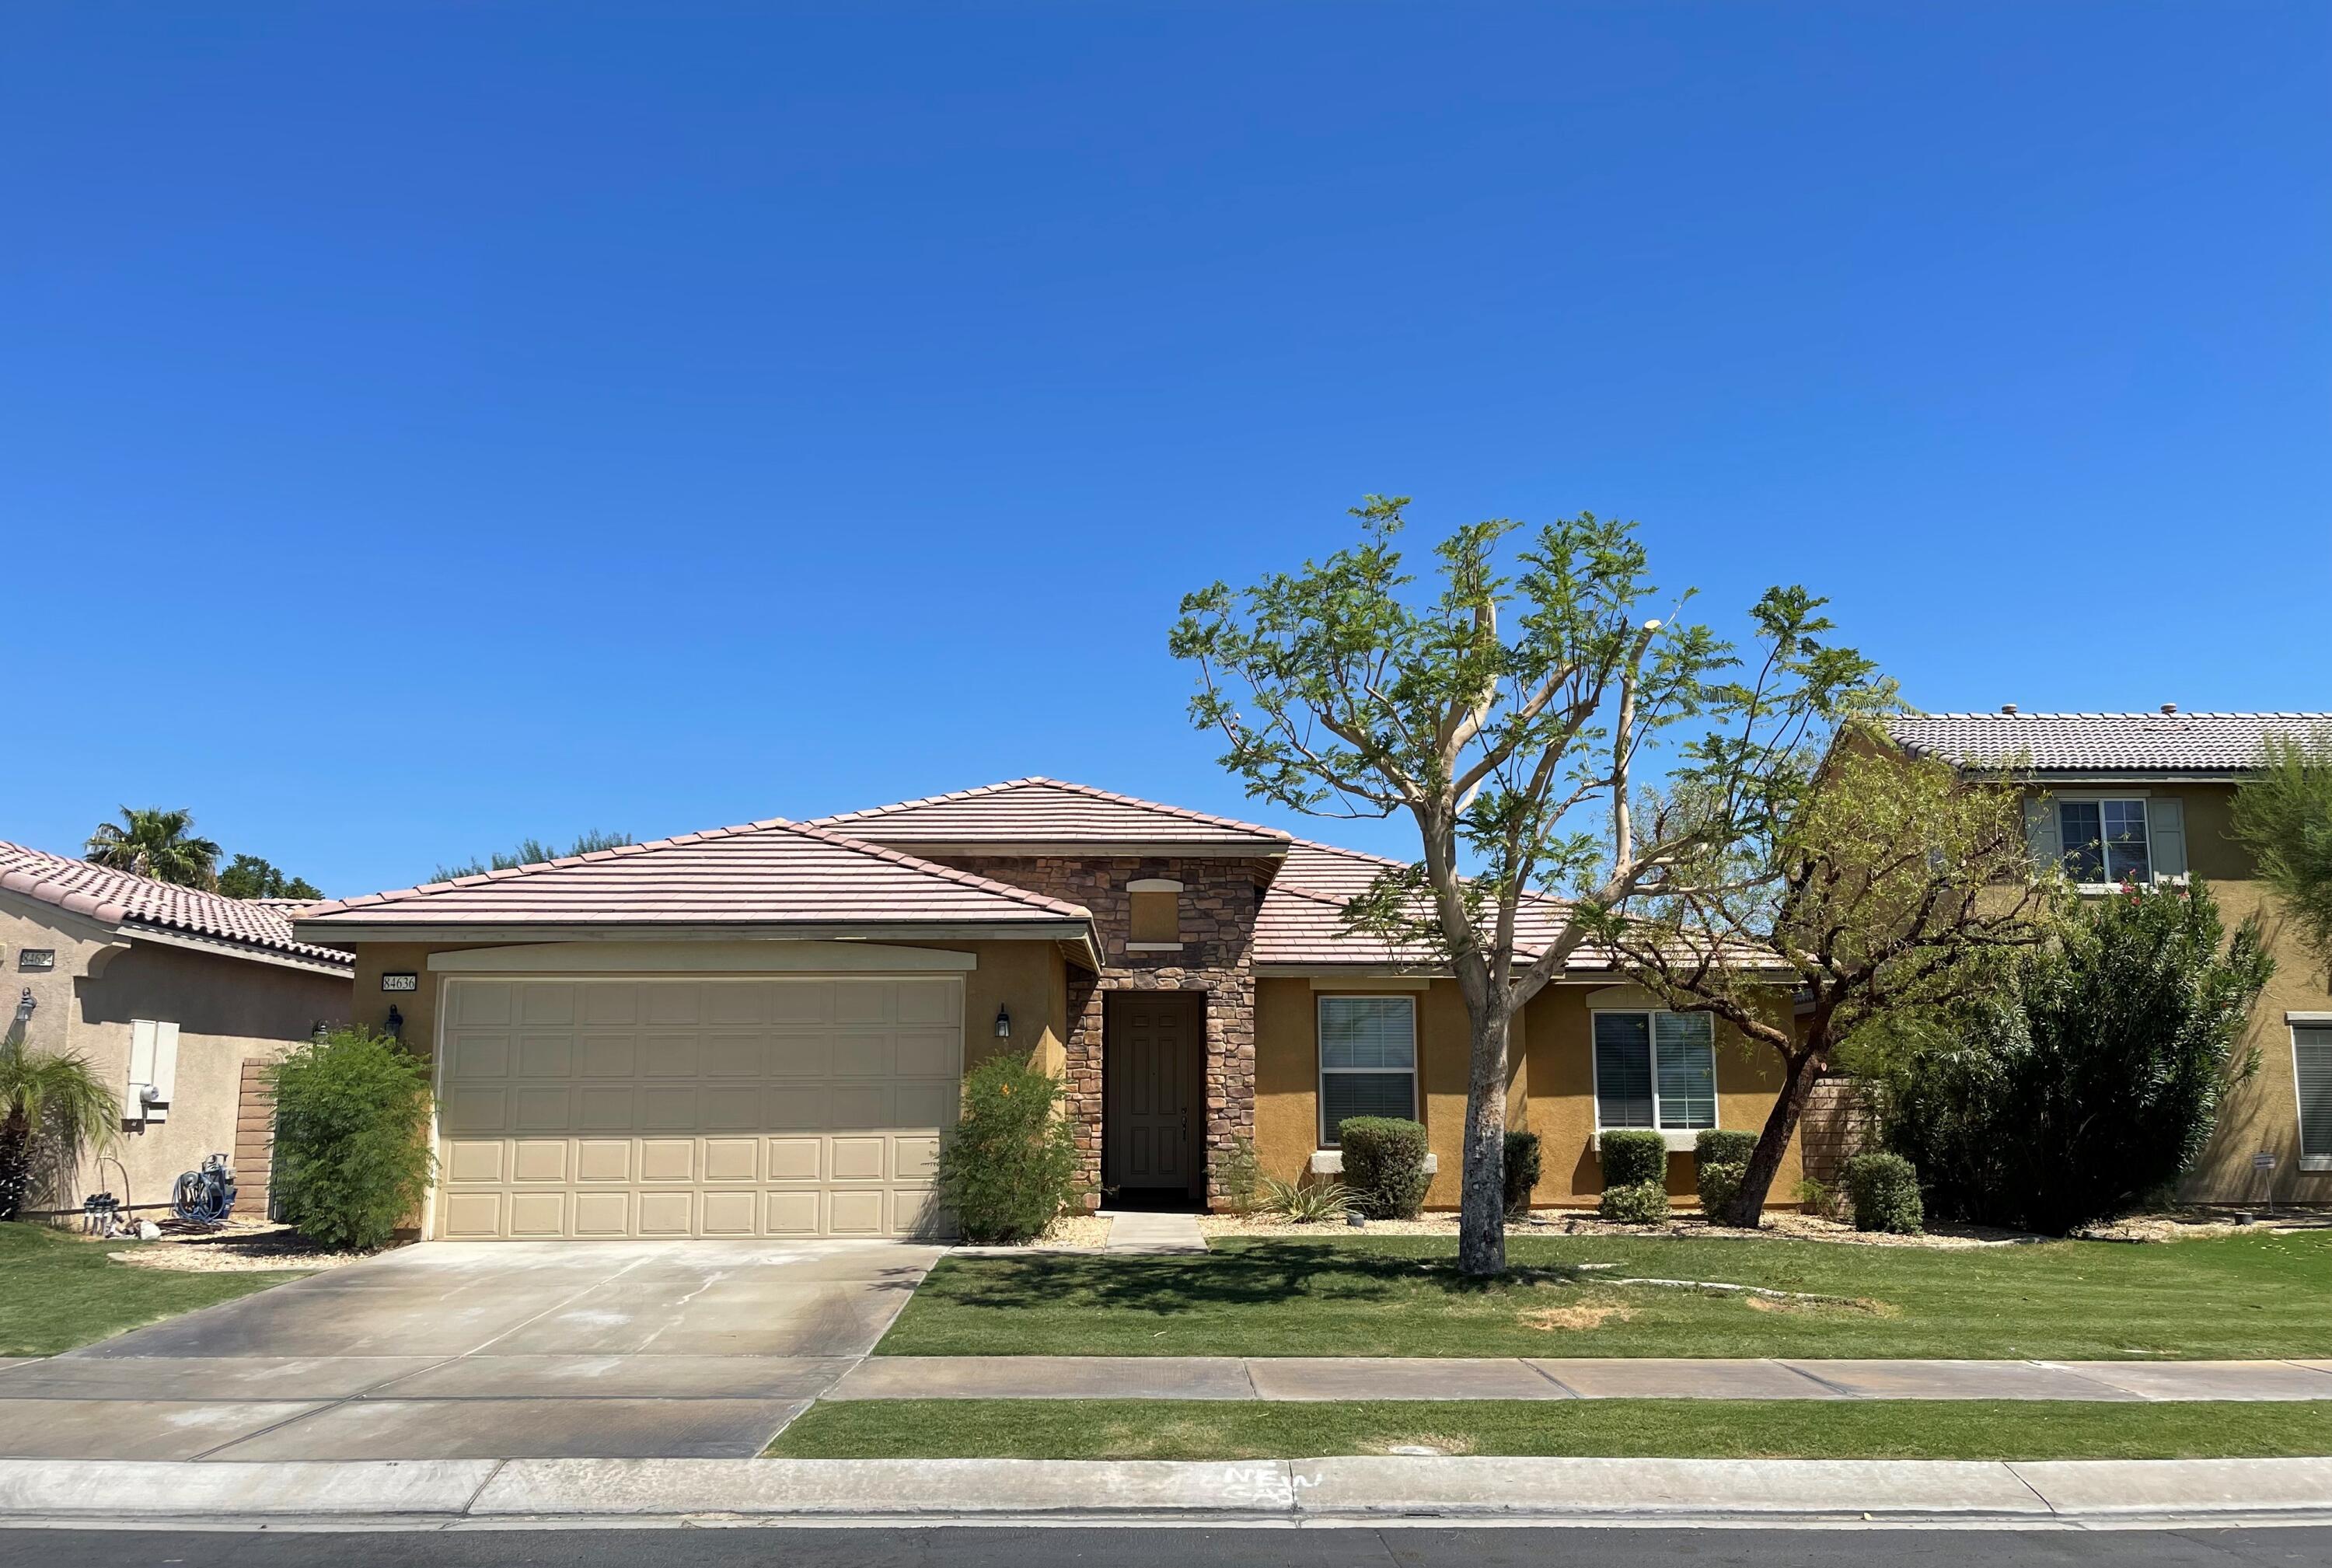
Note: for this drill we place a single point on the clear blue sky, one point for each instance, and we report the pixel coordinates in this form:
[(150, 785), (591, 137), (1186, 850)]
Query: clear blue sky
[(422, 427)]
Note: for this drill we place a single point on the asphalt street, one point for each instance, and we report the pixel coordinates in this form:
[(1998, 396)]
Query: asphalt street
[(1168, 1548)]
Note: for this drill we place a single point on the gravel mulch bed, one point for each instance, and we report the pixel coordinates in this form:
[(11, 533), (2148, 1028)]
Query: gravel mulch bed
[(238, 1247)]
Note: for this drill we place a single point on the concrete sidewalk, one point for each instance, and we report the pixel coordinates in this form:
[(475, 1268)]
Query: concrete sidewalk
[(1484, 1378), (472, 1494)]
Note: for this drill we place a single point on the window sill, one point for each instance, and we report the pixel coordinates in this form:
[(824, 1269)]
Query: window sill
[(1330, 1162), (2307, 1161), (1153, 947), (1680, 1140)]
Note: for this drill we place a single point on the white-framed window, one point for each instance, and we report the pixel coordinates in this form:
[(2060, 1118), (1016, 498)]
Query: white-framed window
[(2107, 840), (2311, 1064), (1655, 1069), (1368, 1060)]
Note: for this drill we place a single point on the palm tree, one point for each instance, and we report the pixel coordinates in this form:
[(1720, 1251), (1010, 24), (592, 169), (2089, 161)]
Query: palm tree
[(52, 1107), (156, 843)]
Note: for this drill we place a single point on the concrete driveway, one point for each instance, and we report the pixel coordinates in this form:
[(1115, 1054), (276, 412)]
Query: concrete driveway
[(508, 1350)]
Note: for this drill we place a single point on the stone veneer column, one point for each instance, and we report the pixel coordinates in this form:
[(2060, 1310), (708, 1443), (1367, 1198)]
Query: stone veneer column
[(1220, 900)]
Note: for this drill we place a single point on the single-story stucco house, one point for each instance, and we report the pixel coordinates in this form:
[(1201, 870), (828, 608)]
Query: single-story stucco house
[(175, 997), (762, 1030), (2146, 797)]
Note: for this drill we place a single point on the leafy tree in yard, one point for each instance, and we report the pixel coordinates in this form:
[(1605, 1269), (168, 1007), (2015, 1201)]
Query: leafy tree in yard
[(2083, 1086), (1497, 714), (53, 1108), (1879, 890), (156, 843), (2283, 815), (352, 1155), (251, 878), (532, 852)]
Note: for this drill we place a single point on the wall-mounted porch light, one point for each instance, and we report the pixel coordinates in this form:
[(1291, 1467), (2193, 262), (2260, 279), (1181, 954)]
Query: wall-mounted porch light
[(25, 1006), (1003, 1024), (395, 1023)]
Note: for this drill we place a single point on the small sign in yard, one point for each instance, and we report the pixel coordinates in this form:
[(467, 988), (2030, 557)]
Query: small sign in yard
[(2264, 1160), (400, 982)]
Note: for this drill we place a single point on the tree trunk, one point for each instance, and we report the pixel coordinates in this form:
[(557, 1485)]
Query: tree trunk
[(1482, 1194), (15, 1161), (1748, 1208)]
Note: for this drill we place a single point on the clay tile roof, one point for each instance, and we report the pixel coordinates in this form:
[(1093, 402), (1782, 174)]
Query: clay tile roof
[(2155, 742), (119, 898), (771, 873), (1048, 811), (1301, 921)]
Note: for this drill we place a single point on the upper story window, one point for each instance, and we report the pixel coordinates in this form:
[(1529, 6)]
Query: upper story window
[(1368, 1060), (1655, 1069), (2104, 840), (1155, 919)]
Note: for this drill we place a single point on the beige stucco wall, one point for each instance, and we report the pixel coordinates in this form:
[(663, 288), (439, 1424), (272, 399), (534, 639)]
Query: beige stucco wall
[(228, 1010), (2262, 1112)]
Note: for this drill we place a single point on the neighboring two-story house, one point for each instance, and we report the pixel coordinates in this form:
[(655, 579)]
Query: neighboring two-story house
[(2145, 797), (761, 1030)]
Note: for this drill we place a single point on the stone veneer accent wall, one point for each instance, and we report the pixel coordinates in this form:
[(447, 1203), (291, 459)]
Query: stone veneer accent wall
[(1218, 904)]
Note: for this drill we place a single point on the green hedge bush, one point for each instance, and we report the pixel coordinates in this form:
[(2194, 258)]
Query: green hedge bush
[(1633, 1155), (1716, 1146), (1009, 1166), (1385, 1165), (1638, 1203), (352, 1159), (1522, 1174), (1885, 1191), (1717, 1185)]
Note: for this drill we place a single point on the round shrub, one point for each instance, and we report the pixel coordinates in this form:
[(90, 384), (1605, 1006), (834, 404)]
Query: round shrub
[(1633, 1156), (1718, 1147), (1522, 1173), (1385, 1165), (1638, 1203), (352, 1159), (1009, 1165), (1885, 1191), (1718, 1184)]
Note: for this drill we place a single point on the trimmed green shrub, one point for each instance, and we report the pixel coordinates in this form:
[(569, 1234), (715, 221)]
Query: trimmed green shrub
[(352, 1159), (1885, 1191), (1522, 1174), (1010, 1164), (1633, 1156), (1717, 1184), (1718, 1147), (1385, 1165), (1638, 1203)]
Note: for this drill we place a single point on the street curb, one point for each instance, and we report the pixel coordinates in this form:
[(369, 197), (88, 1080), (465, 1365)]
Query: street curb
[(584, 1493)]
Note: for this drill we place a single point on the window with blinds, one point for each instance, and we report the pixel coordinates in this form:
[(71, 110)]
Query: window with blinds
[(1368, 1060), (2311, 1057), (1655, 1069)]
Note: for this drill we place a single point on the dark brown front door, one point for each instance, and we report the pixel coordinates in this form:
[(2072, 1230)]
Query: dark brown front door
[(1153, 1112)]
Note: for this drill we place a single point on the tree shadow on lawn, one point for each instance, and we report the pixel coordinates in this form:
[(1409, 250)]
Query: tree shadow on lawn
[(1164, 1286)]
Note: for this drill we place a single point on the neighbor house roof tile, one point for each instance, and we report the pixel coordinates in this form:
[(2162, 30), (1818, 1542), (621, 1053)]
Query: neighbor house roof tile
[(772, 872), (119, 898), (2157, 743), (1035, 810)]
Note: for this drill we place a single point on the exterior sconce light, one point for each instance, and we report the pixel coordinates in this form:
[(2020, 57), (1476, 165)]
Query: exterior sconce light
[(1003, 1024), (25, 1006), (395, 1023)]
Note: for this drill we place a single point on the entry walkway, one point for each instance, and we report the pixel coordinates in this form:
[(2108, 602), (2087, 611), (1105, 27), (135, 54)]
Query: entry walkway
[(1046, 1377)]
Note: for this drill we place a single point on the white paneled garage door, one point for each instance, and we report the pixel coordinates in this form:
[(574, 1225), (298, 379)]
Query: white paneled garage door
[(808, 1106)]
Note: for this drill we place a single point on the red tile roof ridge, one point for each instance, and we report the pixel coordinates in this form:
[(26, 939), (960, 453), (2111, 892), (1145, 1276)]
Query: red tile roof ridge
[(681, 840), (1089, 791), (113, 897)]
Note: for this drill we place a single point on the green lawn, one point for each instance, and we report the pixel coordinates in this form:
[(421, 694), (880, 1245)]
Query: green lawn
[(2237, 1297), (1677, 1428), (57, 1291)]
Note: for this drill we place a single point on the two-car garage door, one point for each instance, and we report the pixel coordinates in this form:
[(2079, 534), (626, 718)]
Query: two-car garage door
[(808, 1106)]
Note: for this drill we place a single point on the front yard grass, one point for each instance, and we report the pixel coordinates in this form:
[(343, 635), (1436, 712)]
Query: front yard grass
[(57, 1291), (2239, 1297), (1674, 1429)]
